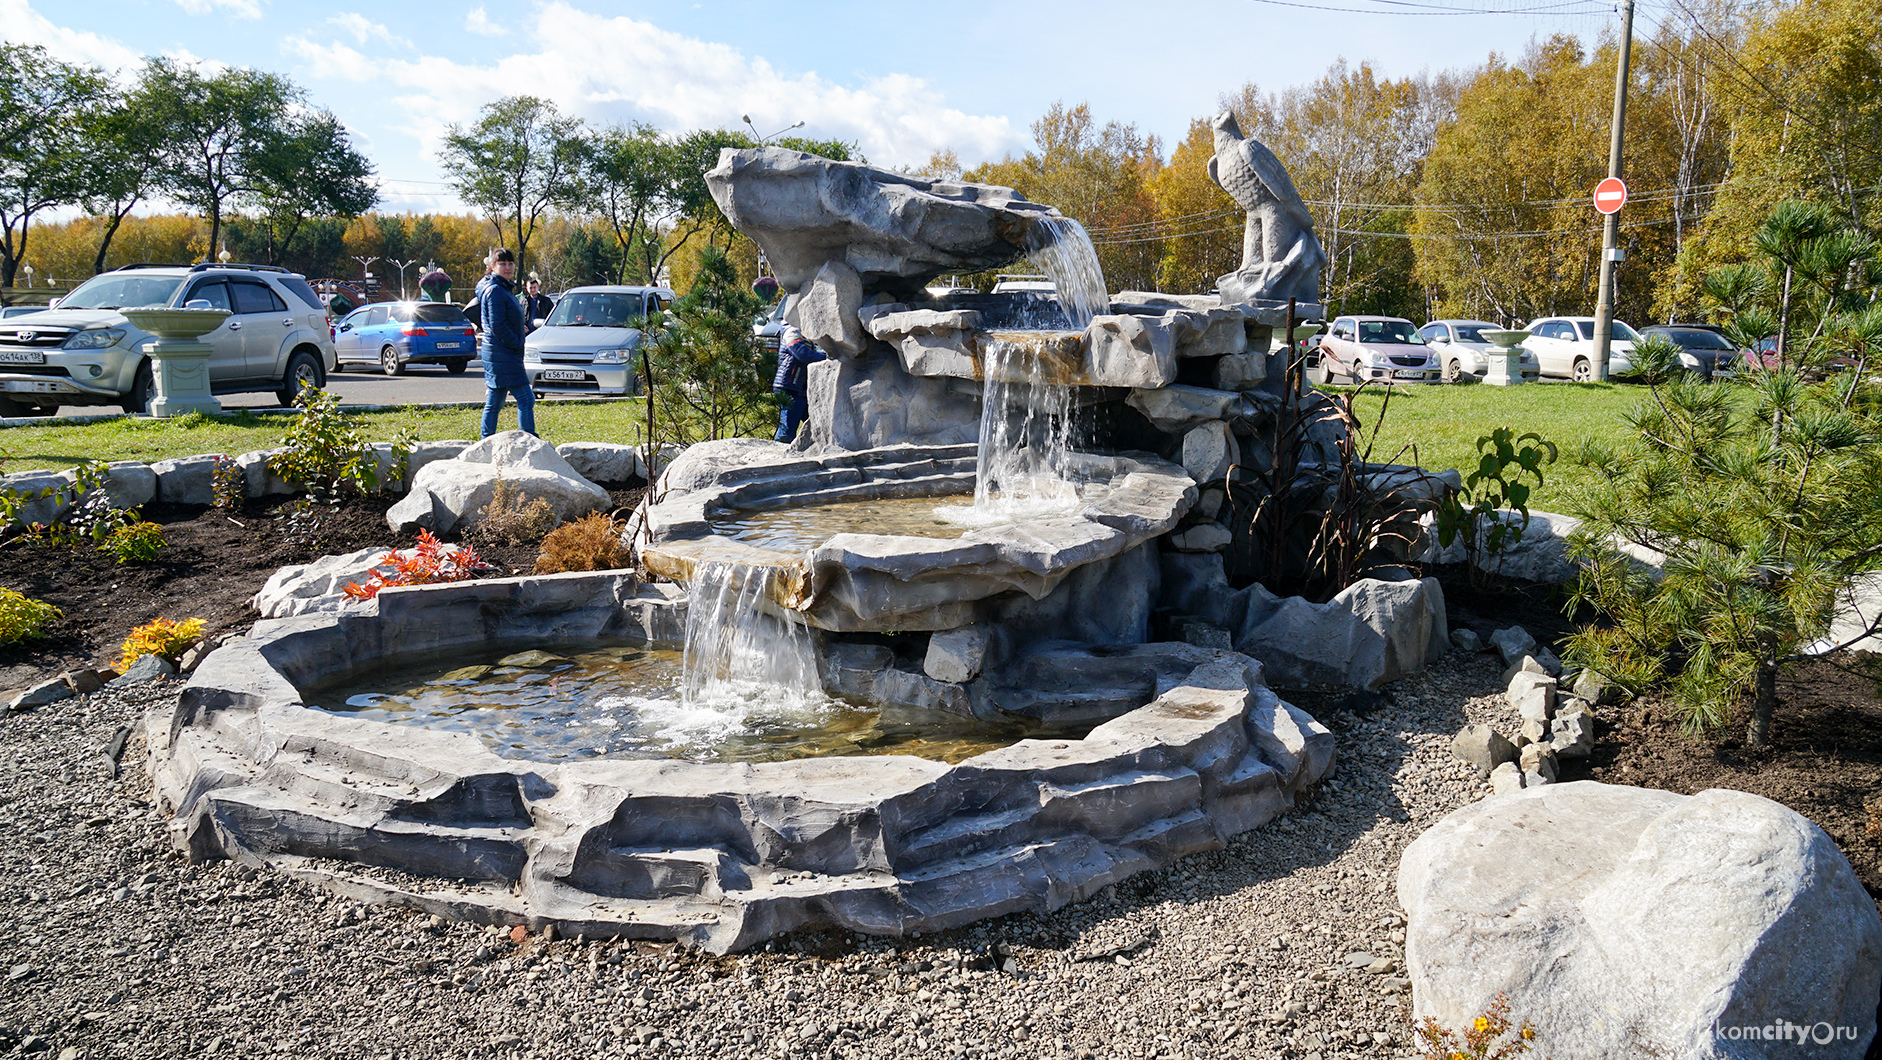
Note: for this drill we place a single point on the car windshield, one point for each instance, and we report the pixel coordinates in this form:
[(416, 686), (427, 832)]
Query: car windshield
[(432, 314), (114, 291), (1390, 331), (596, 309), (1621, 330), (1699, 339), (1470, 333)]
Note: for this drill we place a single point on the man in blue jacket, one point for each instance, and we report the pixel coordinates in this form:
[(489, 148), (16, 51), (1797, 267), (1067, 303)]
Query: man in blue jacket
[(501, 348)]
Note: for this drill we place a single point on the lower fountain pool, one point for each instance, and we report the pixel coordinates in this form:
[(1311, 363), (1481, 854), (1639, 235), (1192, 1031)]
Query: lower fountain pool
[(623, 702)]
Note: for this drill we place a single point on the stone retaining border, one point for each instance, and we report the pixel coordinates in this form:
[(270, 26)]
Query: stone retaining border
[(716, 855)]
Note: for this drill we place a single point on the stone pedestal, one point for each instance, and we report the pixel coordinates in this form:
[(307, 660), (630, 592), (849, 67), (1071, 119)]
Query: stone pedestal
[(1504, 357), (179, 363)]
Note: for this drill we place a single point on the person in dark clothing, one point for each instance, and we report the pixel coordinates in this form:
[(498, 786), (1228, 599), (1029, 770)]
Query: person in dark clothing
[(501, 345), (795, 355), (536, 305)]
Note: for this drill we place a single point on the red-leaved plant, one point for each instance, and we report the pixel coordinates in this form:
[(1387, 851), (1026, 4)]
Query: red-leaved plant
[(426, 564)]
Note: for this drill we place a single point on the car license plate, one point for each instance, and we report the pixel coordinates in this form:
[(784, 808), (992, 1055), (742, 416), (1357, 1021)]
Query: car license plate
[(563, 374), (448, 345), (22, 357), (1411, 373)]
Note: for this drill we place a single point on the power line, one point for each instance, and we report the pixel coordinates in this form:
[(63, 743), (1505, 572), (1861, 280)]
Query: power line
[(1567, 7)]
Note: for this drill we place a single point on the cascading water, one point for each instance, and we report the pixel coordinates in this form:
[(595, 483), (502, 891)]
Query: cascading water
[(1062, 250), (1025, 420)]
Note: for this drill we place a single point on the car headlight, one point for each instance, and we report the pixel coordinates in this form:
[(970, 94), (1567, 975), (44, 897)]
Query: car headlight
[(96, 339), (619, 356), (1690, 360)]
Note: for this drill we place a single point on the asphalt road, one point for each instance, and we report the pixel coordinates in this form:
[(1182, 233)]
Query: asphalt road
[(422, 384)]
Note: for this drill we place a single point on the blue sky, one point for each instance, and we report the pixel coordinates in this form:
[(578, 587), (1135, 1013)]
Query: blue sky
[(900, 79)]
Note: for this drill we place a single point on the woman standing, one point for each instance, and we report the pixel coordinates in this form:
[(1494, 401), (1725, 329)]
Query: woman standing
[(501, 347)]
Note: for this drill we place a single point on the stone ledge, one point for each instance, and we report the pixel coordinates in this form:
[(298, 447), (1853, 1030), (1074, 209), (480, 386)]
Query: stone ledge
[(721, 856)]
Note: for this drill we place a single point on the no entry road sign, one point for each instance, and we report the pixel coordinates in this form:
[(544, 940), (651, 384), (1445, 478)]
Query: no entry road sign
[(1610, 195)]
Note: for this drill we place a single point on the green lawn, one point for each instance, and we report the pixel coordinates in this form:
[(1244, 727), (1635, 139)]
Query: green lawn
[(1437, 427), (54, 445)]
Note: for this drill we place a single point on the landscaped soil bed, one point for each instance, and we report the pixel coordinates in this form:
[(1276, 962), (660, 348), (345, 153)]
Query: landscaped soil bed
[(212, 564)]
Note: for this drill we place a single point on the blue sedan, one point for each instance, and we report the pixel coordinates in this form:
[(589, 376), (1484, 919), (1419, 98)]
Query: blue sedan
[(395, 334)]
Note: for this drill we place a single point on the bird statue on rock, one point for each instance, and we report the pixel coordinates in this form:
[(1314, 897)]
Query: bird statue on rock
[(1281, 258)]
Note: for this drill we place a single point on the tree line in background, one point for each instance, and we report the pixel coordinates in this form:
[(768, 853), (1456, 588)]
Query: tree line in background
[(1462, 193)]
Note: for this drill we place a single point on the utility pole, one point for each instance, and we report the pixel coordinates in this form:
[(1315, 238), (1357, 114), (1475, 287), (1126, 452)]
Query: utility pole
[(1611, 228)]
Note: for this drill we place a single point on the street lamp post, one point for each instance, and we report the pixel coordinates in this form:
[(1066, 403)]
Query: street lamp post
[(365, 269), (402, 266), (765, 141)]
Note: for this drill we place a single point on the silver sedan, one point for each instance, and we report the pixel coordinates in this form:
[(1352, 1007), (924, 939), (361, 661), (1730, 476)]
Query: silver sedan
[(1460, 348)]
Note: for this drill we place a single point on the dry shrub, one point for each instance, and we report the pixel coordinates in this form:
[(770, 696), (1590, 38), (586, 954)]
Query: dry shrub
[(590, 543), (509, 519)]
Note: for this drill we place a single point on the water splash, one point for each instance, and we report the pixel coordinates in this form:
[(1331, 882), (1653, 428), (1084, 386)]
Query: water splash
[(741, 660), (1062, 250)]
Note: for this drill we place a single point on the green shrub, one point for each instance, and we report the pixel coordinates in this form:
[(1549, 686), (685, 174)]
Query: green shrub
[(136, 543), (23, 618), (1764, 504), (1505, 458), (326, 455)]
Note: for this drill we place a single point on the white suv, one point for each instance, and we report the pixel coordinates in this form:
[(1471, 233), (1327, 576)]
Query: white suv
[(1564, 347), (84, 352)]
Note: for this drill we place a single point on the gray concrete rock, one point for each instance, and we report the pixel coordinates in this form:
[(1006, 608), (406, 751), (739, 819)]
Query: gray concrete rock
[(1241, 371), (309, 587), (1532, 731), (956, 655), (1203, 537), (1177, 408), (257, 480), (1209, 450), (1466, 640), (1595, 688), (83, 681), (50, 494), (130, 484), (51, 690), (146, 669), (602, 461), (449, 494), (1512, 644), (1531, 695), (1484, 748), (825, 310), (1133, 351), (896, 231), (873, 401), (1526, 664), (187, 480), (1670, 925), (931, 342)]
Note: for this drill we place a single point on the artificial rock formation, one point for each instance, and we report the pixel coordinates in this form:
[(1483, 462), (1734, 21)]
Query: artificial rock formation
[(1630, 922), (447, 494)]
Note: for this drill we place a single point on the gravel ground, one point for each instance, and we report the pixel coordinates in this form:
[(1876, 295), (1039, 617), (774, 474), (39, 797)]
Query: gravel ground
[(1288, 943)]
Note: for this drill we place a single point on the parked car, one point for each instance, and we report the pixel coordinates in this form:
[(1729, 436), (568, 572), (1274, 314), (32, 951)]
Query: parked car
[(1765, 355), (1703, 348), (1564, 347), (7, 312), (1033, 284), (590, 344), (768, 327), (1371, 348), (86, 353), (1462, 351), (395, 334)]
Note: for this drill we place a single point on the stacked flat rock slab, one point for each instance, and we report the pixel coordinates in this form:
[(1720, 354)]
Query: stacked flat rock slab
[(886, 582), (1630, 922), (448, 494), (722, 856)]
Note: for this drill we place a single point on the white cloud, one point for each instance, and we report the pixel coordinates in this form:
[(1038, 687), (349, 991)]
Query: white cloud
[(479, 23), (618, 69), (365, 31), (238, 8), (23, 25)]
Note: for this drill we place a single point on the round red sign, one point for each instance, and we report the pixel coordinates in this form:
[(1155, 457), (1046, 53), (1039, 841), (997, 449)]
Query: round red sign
[(1610, 195)]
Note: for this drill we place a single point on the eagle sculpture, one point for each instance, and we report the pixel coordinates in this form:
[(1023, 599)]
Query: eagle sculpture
[(1281, 259)]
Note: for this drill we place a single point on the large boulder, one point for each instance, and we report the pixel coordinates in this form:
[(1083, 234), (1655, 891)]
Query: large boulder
[(895, 231), (1631, 922), (448, 494)]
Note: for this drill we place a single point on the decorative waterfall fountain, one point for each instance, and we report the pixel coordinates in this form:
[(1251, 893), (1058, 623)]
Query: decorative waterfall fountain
[(846, 577)]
